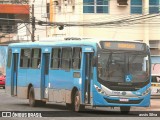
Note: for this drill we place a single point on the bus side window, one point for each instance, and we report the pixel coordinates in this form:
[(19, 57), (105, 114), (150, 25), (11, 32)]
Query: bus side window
[(25, 58), (56, 58), (35, 58), (66, 58), (76, 59), (9, 58)]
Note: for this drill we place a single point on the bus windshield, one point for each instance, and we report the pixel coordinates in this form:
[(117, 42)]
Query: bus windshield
[(114, 66)]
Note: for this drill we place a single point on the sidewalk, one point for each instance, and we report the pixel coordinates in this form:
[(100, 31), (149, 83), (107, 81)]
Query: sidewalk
[(155, 105)]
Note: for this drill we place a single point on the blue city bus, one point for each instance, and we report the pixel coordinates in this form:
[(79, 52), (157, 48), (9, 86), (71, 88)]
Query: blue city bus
[(86, 72)]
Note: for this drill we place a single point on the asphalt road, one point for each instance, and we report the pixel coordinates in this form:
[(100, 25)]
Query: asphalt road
[(59, 111)]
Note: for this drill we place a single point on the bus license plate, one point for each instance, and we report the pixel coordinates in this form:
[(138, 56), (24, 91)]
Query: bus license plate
[(123, 99)]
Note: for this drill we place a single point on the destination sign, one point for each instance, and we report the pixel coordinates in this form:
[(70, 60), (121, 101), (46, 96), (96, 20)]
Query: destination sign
[(120, 45)]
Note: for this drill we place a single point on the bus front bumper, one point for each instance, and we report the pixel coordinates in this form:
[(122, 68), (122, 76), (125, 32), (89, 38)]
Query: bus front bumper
[(122, 101)]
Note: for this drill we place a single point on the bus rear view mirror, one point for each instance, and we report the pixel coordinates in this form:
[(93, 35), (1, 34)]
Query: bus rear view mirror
[(94, 61)]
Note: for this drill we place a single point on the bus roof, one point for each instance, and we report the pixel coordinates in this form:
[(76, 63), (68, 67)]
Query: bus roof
[(57, 43), (87, 41)]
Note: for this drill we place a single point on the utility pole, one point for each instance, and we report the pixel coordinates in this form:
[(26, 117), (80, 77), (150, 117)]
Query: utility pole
[(33, 24), (47, 15)]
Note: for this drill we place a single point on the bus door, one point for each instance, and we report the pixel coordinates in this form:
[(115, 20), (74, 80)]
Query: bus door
[(88, 77), (45, 75), (14, 74)]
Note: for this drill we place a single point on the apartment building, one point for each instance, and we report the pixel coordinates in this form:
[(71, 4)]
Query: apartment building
[(110, 19), (16, 18), (15, 23), (11, 13), (41, 13)]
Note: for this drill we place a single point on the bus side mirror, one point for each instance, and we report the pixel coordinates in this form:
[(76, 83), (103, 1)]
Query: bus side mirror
[(94, 61)]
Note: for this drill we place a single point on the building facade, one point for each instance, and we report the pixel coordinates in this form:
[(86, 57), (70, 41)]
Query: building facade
[(13, 15), (110, 19), (15, 23), (16, 19), (41, 13)]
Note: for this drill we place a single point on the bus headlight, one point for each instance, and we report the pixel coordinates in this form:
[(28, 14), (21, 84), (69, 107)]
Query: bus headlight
[(146, 92), (99, 90)]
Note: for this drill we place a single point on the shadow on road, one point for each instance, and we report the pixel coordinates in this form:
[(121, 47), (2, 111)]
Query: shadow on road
[(60, 110)]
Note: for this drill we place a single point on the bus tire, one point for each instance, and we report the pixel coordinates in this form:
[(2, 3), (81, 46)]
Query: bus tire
[(32, 101), (41, 103), (69, 106), (125, 109), (77, 106)]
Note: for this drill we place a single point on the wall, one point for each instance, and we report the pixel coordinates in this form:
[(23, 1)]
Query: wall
[(40, 14), (115, 13)]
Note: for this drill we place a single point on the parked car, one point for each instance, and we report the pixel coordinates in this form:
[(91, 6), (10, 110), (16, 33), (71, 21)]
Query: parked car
[(2, 80), (155, 89)]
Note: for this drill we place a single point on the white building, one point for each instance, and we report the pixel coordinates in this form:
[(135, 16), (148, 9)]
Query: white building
[(119, 19), (41, 12)]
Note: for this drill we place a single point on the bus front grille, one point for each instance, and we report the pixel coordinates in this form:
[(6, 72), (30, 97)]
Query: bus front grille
[(122, 102), (123, 88)]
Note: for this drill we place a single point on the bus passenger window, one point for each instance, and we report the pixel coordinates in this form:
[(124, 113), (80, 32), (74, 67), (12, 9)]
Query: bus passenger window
[(35, 58), (76, 60), (9, 58), (25, 58), (66, 58), (55, 58)]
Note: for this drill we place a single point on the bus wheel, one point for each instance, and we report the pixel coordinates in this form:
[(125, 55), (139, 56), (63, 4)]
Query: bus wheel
[(125, 109), (69, 106), (77, 106), (32, 101), (41, 103)]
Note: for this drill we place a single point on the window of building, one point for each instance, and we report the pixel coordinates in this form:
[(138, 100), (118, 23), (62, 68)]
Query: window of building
[(36, 58), (9, 29), (0, 28), (154, 6), (66, 58), (95, 6), (56, 58), (136, 6), (154, 47), (76, 60), (25, 58), (9, 58)]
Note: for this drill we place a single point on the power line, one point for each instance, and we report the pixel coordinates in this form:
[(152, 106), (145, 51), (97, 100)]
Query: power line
[(112, 23), (84, 24)]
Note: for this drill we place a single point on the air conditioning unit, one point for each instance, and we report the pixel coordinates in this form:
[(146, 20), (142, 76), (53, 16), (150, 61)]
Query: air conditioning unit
[(56, 2), (122, 3)]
